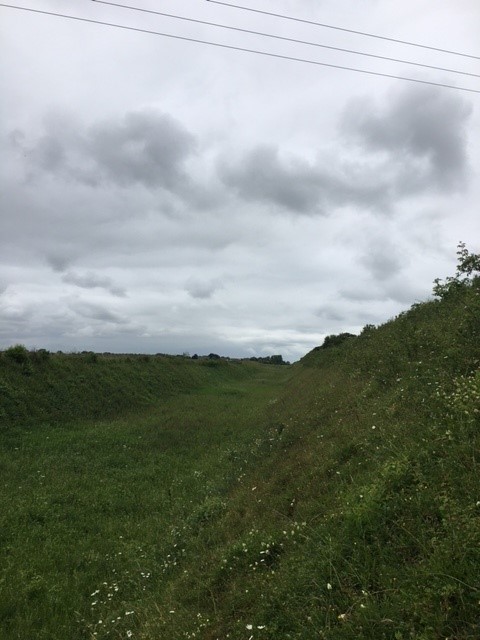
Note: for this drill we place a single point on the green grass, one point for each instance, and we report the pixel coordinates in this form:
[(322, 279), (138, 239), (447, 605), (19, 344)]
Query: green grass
[(338, 498), (95, 515)]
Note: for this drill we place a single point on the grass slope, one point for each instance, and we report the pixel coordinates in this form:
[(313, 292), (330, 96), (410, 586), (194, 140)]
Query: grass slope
[(338, 498), (40, 387)]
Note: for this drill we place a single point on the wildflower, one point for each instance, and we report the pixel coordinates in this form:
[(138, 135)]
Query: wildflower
[(249, 627), (329, 586), (129, 634)]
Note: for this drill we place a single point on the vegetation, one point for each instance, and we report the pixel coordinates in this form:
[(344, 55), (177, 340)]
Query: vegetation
[(467, 268), (336, 340), (278, 359), (39, 387), (338, 498)]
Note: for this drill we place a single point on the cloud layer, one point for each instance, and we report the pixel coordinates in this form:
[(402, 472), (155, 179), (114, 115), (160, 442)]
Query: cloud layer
[(216, 203)]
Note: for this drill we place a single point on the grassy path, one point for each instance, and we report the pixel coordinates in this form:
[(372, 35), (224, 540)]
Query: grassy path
[(96, 517)]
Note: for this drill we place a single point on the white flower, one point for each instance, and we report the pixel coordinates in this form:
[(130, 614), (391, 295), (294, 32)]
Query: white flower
[(249, 626), (329, 586)]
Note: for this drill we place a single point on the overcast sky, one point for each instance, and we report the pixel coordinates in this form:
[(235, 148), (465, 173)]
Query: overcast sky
[(160, 195)]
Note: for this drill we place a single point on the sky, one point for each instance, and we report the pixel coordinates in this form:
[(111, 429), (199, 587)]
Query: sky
[(160, 195)]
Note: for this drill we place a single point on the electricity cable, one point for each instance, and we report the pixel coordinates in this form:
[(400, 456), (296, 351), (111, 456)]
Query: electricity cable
[(235, 48), (330, 26), (284, 38)]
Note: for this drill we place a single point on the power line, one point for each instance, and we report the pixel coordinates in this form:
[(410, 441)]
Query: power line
[(277, 37), (235, 48), (330, 26)]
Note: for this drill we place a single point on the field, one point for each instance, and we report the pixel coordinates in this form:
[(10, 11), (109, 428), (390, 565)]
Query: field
[(162, 498)]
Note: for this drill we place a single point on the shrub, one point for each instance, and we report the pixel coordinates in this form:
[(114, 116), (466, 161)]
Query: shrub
[(468, 268), (336, 340), (18, 353), (41, 355)]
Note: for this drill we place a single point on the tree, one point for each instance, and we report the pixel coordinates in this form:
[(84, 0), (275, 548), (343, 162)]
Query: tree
[(468, 269), (18, 353)]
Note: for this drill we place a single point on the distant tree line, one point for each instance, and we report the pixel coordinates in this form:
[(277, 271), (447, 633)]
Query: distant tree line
[(269, 360)]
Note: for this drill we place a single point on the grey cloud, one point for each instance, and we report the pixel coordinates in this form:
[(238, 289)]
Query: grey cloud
[(16, 139), (416, 143), (301, 187), (90, 280), (16, 312), (330, 313), (94, 311), (395, 291), (382, 261), (262, 176), (423, 130), (50, 154), (361, 294), (58, 262), (202, 289), (404, 292), (145, 147)]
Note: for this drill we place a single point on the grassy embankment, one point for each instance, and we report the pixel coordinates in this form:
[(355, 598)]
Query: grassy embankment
[(338, 498)]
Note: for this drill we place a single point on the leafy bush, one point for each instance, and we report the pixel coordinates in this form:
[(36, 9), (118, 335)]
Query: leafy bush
[(468, 269), (336, 340), (18, 353)]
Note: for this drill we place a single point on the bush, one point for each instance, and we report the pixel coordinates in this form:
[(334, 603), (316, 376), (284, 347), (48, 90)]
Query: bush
[(17, 353), (41, 355), (468, 268), (336, 340)]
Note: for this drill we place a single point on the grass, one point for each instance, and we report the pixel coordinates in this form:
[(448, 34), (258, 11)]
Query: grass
[(93, 512), (338, 498)]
